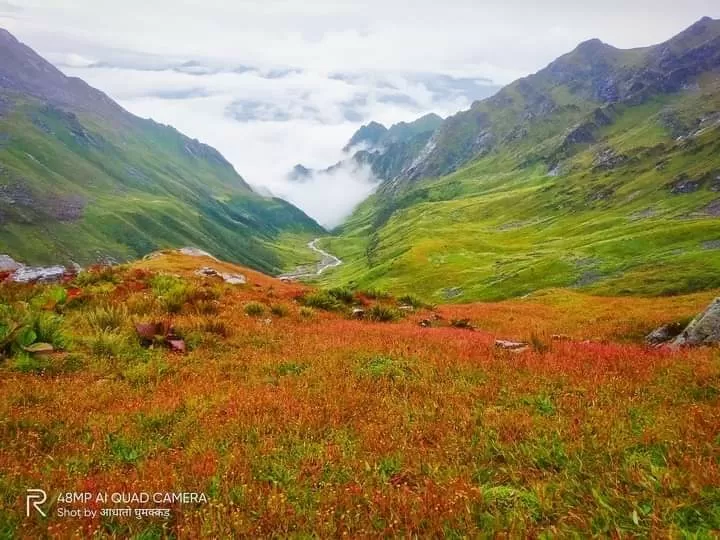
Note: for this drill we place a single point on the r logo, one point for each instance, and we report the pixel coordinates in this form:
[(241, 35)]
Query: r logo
[(34, 499)]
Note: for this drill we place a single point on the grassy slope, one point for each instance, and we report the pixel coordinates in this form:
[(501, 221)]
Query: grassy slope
[(316, 425), (142, 190), (499, 228)]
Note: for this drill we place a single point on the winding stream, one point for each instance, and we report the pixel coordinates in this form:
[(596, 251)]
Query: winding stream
[(328, 260)]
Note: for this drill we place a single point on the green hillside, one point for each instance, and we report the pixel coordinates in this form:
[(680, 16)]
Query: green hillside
[(601, 172), (83, 180)]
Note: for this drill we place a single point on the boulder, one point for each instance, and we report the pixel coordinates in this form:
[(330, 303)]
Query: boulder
[(358, 313), (234, 279), (7, 264), (510, 345), (206, 271), (703, 330), (48, 274), (664, 334)]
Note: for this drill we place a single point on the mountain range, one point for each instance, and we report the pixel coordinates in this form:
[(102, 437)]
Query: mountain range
[(82, 180), (599, 172)]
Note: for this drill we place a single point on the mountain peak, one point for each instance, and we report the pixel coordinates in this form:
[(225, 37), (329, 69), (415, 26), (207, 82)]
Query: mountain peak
[(368, 134)]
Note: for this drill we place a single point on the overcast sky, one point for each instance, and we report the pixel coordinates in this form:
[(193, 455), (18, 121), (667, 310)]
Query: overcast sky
[(273, 83)]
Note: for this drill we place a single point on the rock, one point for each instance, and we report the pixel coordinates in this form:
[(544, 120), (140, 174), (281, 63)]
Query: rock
[(703, 330), (560, 337), (29, 274), (147, 331), (232, 279), (206, 271), (358, 313), (452, 292), (195, 252), (463, 324), (406, 308), (510, 345), (177, 345), (683, 185), (608, 159), (665, 333), (426, 323), (7, 264)]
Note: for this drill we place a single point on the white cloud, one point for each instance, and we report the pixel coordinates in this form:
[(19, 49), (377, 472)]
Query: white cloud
[(331, 196)]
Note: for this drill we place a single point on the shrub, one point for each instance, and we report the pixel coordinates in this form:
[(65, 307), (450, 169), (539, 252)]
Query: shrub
[(140, 304), (411, 300), (321, 300), (207, 307), (96, 275), (109, 343), (217, 327), (384, 367), (380, 313), (174, 293), (341, 294), (375, 294), (279, 310), (48, 329), (306, 312), (107, 317), (254, 309)]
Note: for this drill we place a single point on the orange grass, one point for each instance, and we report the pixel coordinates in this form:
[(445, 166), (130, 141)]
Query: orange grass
[(320, 425)]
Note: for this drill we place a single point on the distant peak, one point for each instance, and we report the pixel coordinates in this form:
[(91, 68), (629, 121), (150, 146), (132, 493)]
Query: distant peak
[(592, 45), (375, 125)]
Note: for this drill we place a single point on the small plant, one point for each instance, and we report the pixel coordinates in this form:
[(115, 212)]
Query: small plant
[(375, 294), (279, 310), (411, 300), (107, 317), (307, 312), (341, 294), (384, 367), (217, 327), (207, 307), (108, 344), (290, 368), (380, 313), (96, 275), (321, 300), (254, 309)]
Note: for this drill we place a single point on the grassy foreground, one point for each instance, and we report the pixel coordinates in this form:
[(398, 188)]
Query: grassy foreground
[(298, 420)]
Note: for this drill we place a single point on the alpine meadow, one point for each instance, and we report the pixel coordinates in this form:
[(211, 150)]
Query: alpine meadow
[(515, 335)]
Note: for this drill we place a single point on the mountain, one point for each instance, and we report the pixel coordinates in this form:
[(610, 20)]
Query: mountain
[(387, 151), (83, 180), (601, 172)]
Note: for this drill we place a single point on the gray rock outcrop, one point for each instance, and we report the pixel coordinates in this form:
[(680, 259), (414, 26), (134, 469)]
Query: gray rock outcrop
[(703, 330)]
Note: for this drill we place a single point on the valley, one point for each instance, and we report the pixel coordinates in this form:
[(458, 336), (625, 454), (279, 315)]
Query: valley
[(516, 335)]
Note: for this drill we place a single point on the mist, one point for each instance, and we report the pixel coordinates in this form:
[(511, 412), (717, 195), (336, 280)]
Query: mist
[(330, 196)]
